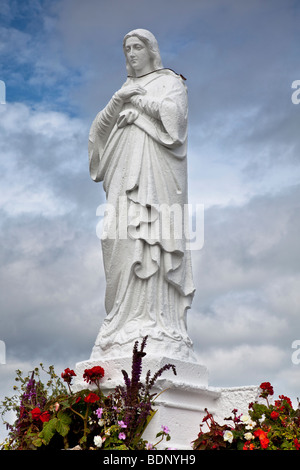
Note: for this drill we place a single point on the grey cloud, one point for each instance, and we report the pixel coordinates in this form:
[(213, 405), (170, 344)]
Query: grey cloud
[(51, 284), (51, 269), (46, 168), (251, 240), (247, 365), (231, 53), (247, 280)]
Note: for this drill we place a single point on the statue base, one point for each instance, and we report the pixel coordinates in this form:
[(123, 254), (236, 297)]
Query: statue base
[(183, 397)]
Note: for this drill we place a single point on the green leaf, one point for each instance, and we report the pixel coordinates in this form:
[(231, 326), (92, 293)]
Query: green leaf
[(141, 429), (83, 440), (62, 428), (48, 431), (120, 447), (64, 417), (240, 445), (37, 442), (63, 423)]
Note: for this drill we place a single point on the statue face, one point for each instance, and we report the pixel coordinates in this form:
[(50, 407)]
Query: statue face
[(138, 56)]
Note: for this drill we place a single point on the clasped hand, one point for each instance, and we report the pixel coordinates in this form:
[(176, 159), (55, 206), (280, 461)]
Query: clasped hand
[(127, 91), (128, 116)]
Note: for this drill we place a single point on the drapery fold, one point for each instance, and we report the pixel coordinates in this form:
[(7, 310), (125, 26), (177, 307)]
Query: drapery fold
[(149, 283)]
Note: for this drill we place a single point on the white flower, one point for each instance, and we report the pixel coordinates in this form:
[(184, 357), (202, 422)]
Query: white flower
[(262, 419), (246, 419), (98, 441), (228, 436), (248, 436), (250, 425), (101, 422)]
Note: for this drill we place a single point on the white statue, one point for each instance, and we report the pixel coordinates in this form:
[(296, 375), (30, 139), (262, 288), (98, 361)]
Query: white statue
[(137, 147)]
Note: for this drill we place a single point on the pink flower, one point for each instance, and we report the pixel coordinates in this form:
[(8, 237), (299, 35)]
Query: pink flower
[(122, 424), (165, 429), (149, 446), (99, 412), (122, 436)]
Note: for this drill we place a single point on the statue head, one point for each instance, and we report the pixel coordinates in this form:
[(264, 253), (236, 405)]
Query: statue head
[(151, 44)]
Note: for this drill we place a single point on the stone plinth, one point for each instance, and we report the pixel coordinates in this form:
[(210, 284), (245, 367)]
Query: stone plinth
[(182, 398), (182, 408), (189, 373)]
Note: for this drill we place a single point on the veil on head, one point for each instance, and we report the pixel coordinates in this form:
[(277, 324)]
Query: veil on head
[(152, 45)]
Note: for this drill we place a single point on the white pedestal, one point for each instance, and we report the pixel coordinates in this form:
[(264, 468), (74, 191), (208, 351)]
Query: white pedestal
[(184, 398)]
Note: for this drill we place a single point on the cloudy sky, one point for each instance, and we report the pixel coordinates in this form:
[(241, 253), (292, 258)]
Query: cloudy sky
[(61, 61)]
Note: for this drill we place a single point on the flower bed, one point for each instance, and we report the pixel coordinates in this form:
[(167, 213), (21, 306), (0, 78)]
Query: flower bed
[(50, 416), (266, 427), (53, 417)]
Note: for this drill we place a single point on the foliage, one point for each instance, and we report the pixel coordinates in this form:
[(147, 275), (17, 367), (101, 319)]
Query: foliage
[(51, 416), (267, 426)]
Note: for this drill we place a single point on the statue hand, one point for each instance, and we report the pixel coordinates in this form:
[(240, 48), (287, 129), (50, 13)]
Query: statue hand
[(128, 116), (128, 91)]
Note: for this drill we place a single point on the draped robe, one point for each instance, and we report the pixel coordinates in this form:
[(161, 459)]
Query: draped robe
[(143, 167)]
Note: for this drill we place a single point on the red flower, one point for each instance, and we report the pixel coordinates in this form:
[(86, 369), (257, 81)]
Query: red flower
[(67, 375), (44, 417), (297, 444), (262, 435), (94, 374), (91, 398), (287, 399), (22, 412), (274, 415), (279, 405), (207, 417), (267, 389), (35, 413), (248, 446)]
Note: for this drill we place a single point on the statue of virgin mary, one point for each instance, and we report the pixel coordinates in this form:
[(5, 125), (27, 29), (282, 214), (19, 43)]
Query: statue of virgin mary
[(138, 149)]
